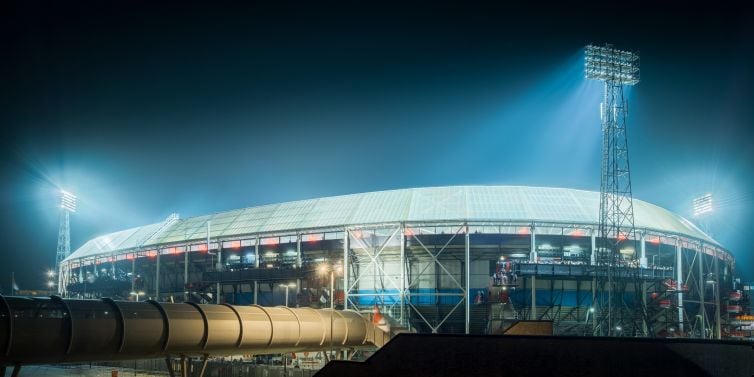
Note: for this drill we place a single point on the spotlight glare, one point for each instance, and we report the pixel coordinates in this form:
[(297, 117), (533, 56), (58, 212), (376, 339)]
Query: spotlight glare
[(702, 205), (67, 201)]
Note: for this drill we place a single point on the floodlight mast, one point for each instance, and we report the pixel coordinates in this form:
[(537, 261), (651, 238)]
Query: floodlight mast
[(67, 206), (617, 231)]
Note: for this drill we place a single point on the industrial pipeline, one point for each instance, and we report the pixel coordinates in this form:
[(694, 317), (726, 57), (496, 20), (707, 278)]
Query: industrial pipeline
[(56, 330)]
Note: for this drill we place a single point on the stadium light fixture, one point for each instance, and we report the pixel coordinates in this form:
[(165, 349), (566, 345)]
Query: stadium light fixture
[(605, 63), (67, 201), (51, 273), (702, 205)]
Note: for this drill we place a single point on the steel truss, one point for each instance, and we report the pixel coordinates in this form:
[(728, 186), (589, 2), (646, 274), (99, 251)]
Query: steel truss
[(424, 276), (617, 231)]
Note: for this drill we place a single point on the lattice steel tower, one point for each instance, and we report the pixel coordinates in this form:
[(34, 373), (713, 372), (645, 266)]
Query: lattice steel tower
[(616, 69), (67, 206)]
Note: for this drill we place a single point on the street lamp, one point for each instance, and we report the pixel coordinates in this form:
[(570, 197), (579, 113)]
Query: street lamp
[(137, 294), (323, 269), (287, 286)]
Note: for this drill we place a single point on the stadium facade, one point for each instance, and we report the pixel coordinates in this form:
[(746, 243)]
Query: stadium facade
[(470, 259)]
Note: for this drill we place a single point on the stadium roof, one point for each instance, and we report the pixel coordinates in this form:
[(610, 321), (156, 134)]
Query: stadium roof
[(454, 203)]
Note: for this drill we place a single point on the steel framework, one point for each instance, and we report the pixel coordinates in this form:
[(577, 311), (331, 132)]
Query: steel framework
[(67, 205), (425, 276), (617, 233)]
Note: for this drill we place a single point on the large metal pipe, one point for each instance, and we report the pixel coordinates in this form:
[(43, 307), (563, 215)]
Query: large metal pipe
[(55, 330)]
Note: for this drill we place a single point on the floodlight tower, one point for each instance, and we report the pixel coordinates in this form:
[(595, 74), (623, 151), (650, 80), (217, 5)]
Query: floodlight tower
[(67, 206), (616, 69)]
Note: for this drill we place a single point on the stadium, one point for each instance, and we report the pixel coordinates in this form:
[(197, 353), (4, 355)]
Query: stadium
[(470, 259)]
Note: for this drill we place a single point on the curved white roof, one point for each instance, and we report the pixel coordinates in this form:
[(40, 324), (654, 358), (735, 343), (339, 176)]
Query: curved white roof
[(454, 203)]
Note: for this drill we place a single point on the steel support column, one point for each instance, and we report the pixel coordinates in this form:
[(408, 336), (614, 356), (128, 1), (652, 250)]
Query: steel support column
[(717, 297), (219, 288), (644, 327), (467, 289), (185, 273), (679, 280), (533, 246), (346, 288), (402, 297), (156, 278), (298, 251), (256, 253), (594, 303), (533, 311), (133, 274), (533, 257), (701, 282), (643, 245)]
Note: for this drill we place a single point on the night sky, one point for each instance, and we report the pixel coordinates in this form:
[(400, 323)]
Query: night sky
[(144, 108)]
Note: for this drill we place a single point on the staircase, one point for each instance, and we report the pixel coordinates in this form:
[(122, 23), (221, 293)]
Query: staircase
[(502, 312)]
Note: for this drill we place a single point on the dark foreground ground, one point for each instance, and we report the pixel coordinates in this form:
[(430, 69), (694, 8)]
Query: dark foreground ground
[(470, 355)]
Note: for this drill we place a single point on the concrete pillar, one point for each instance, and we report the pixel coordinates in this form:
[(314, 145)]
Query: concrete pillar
[(256, 291), (593, 257)]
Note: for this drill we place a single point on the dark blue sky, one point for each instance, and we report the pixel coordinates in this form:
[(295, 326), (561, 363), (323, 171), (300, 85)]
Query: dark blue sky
[(147, 108)]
